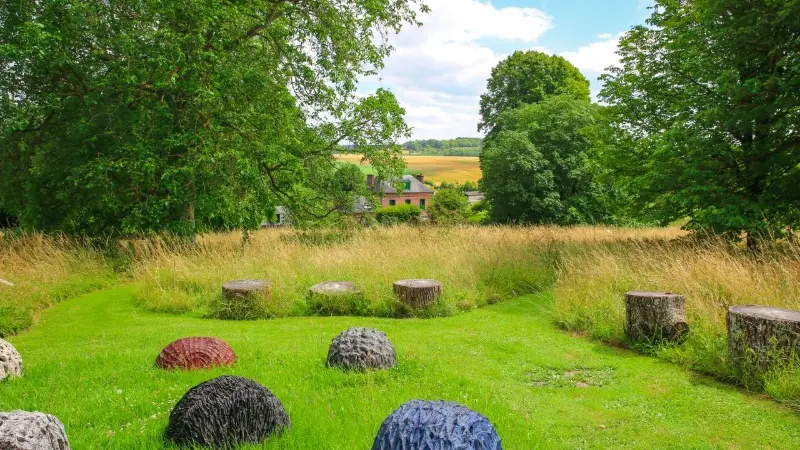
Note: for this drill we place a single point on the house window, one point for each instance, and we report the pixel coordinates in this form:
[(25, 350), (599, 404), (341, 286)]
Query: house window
[(408, 201), (408, 185), (391, 202), (422, 203)]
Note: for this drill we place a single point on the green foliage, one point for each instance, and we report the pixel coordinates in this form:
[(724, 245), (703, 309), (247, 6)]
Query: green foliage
[(538, 169), (704, 115), (130, 117), (461, 146), (449, 206), (398, 214), (525, 78), (466, 186)]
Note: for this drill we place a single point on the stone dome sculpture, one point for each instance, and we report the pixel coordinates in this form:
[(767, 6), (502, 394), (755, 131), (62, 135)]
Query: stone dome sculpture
[(361, 349), (438, 425), (10, 361), (196, 353), (225, 412), (21, 430)]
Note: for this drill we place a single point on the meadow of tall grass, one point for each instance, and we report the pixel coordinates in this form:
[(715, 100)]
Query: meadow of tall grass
[(713, 274), (476, 265), (43, 270), (588, 268)]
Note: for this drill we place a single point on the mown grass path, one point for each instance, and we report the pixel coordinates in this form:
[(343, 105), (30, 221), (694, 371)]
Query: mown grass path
[(90, 362)]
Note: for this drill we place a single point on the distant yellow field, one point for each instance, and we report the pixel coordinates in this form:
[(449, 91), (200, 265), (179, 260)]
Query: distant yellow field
[(453, 169)]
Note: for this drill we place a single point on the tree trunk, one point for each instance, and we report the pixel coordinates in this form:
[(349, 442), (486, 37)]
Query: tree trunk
[(335, 289), (243, 288), (762, 337), (244, 300), (655, 316), (418, 293)]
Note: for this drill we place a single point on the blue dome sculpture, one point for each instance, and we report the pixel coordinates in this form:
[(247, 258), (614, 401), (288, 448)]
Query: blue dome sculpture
[(439, 425)]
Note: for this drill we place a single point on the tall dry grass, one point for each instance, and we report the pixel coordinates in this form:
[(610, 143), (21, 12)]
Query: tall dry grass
[(712, 274), (44, 270), (477, 265)]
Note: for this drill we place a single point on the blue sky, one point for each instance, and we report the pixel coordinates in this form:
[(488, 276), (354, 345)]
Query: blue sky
[(439, 70)]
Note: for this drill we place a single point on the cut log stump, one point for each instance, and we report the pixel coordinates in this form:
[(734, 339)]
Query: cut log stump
[(335, 289), (336, 298), (244, 299), (418, 293), (761, 336), (655, 316)]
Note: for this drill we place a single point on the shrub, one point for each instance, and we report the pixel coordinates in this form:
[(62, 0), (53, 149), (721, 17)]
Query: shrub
[(398, 214), (449, 207)]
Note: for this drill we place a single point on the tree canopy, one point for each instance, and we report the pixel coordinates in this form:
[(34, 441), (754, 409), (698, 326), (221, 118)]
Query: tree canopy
[(705, 114), (525, 78), (538, 168), (138, 117)]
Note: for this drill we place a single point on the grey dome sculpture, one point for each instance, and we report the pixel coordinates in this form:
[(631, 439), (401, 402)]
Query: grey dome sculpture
[(225, 412), (21, 430), (439, 425), (10, 361), (361, 349)]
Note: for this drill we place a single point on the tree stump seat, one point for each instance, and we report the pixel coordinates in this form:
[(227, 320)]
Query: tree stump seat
[(418, 293), (335, 289), (762, 336), (243, 288), (655, 316), (244, 299)]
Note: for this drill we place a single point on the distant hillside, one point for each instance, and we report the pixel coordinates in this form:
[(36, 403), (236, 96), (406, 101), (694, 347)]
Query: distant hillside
[(460, 146)]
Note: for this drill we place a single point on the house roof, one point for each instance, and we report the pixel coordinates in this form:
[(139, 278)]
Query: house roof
[(415, 186)]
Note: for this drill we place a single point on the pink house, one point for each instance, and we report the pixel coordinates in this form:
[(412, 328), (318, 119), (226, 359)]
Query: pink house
[(415, 192)]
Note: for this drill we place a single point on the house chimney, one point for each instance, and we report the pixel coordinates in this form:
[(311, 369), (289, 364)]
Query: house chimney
[(420, 177), (370, 179)]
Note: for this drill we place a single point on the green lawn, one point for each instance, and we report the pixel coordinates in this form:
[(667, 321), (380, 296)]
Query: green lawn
[(90, 362)]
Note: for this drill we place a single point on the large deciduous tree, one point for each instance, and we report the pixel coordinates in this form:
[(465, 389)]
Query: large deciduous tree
[(706, 114), (538, 168), (142, 116), (525, 78)]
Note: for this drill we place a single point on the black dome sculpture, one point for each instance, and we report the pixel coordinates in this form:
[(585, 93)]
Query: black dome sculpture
[(361, 349), (225, 412), (439, 425)]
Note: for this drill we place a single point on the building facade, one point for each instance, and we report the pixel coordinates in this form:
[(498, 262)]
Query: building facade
[(415, 191)]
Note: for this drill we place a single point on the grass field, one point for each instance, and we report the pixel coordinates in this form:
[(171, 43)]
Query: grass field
[(577, 276), (453, 169), (90, 362)]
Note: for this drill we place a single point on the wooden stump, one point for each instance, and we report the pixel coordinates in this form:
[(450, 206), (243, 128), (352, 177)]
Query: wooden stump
[(655, 316), (418, 293), (244, 299), (761, 336), (336, 298), (335, 289)]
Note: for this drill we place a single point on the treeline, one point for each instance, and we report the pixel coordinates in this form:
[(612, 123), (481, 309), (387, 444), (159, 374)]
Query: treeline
[(699, 124), (460, 146)]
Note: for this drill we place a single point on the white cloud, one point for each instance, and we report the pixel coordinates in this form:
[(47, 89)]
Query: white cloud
[(439, 70), (597, 56)]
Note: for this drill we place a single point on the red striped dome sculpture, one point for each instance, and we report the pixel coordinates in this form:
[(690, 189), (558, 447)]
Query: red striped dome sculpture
[(194, 353)]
